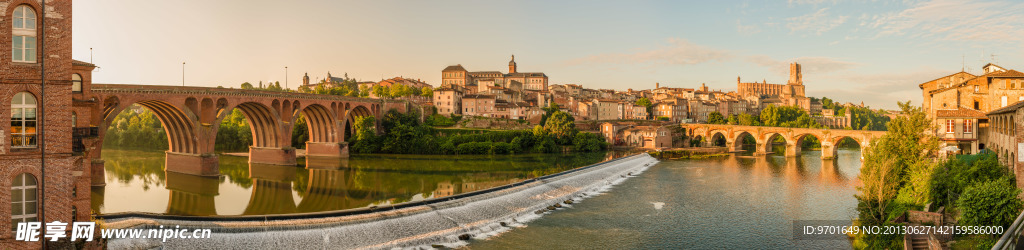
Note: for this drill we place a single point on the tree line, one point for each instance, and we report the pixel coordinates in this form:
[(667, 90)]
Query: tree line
[(902, 171), (404, 134)]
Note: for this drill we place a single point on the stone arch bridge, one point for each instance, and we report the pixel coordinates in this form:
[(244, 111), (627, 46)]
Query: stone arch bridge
[(734, 134), (191, 117)]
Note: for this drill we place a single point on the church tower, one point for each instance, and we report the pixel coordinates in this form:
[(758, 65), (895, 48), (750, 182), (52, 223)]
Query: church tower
[(512, 65), (305, 79), (795, 76)]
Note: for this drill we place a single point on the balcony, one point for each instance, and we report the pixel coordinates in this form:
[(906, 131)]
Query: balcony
[(76, 145), (85, 132)]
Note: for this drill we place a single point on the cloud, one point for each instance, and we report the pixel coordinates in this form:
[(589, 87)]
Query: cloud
[(677, 52), (954, 21), (746, 29), (818, 22), (809, 65)]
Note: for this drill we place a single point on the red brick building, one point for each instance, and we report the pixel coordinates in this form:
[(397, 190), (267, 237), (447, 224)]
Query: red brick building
[(67, 179)]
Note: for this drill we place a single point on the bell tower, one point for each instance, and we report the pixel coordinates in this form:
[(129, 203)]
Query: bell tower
[(305, 79), (795, 76), (512, 65)]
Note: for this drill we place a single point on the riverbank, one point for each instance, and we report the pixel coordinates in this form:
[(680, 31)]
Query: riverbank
[(449, 220), (690, 153)]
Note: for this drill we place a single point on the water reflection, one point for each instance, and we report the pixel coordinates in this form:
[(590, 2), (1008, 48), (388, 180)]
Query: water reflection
[(734, 202), (137, 182)]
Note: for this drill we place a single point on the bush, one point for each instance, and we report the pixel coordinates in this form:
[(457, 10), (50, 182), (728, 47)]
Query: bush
[(951, 178), (991, 203), (473, 148), (502, 148), (440, 121)]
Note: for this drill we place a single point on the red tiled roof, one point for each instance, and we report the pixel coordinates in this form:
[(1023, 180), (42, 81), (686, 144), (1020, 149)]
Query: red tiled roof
[(959, 113), (1008, 73)]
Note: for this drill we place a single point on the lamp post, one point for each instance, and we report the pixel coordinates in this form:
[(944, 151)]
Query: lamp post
[(285, 77), (183, 74)]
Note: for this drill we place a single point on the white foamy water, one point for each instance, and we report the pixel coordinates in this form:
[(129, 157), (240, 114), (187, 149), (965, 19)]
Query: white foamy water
[(658, 205), (443, 223)]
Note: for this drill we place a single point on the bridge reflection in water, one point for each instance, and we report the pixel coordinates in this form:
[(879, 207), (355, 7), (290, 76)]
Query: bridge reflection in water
[(317, 184)]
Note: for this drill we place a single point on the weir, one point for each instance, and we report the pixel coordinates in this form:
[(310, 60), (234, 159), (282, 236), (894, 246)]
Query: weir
[(448, 220)]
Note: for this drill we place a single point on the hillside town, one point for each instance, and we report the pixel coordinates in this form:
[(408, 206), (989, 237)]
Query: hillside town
[(522, 96)]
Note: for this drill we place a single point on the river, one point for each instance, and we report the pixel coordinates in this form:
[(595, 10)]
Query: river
[(733, 202), (136, 182), (738, 201)]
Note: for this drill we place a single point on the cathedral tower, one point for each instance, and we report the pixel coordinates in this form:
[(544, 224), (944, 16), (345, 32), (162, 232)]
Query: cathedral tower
[(512, 65)]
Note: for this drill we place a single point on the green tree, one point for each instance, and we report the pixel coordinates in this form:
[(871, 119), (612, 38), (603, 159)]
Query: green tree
[(991, 203), (562, 126), (643, 101), (247, 85), (427, 92), (716, 118), (885, 170)]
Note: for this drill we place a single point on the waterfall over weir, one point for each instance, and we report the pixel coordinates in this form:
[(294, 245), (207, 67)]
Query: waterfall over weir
[(446, 221)]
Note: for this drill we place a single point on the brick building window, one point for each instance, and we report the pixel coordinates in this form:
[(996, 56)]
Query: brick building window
[(23, 200), (23, 35), (76, 83), (950, 124), (23, 120), (968, 126)]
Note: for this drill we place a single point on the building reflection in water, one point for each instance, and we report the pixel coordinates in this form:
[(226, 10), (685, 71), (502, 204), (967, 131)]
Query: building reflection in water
[(317, 184)]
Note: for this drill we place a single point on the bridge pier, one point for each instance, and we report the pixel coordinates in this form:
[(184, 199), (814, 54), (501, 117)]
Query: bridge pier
[(98, 172), (327, 149), (193, 164), (828, 151), (792, 149), (275, 156), (762, 148)]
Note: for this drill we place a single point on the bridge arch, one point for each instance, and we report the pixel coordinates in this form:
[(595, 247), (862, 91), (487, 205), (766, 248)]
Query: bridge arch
[(718, 138), (321, 123), (265, 125), (177, 123), (351, 116), (770, 139), (741, 136)]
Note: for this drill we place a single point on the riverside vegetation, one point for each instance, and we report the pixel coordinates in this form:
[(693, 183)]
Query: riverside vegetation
[(138, 128), (902, 172)]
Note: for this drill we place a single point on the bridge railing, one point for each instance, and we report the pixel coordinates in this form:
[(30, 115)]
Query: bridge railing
[(1011, 238)]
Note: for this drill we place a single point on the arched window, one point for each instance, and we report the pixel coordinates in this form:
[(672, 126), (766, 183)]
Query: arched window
[(76, 83), (74, 119), (23, 120), (23, 35), (23, 200)]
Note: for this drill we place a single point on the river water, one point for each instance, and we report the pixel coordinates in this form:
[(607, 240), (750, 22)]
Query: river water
[(732, 202), (136, 182), (727, 202)]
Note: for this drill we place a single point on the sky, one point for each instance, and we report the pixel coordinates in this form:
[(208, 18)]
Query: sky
[(851, 51)]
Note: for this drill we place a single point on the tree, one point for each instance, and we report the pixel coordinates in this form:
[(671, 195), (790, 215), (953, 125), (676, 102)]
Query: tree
[(381, 92), (748, 120), (364, 91), (550, 110), (247, 85), (716, 118), (887, 163), (562, 126), (427, 92), (646, 103), (991, 203)]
